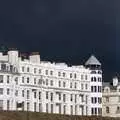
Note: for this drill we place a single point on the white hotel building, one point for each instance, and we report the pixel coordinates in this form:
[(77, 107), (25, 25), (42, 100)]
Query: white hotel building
[(40, 86)]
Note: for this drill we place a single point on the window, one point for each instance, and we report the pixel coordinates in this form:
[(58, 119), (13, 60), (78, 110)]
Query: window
[(75, 76), (85, 77), (51, 108), (70, 75), (28, 94), (1, 78), (40, 107), (99, 88), (23, 69), (35, 106), (51, 72), (46, 95), (22, 93), (118, 109), (92, 100), (28, 69), (39, 95), (39, 71), (59, 83), (92, 79), (64, 109), (86, 86), (16, 80), (40, 81), (92, 90), (64, 84), (71, 109), (59, 74), (8, 91), (95, 79), (95, 89), (35, 70), (8, 79), (28, 106), (46, 72), (46, 81), (8, 104), (51, 96), (95, 100), (35, 81), (95, 111), (99, 111), (16, 93), (3, 67), (51, 82), (64, 97), (107, 90), (75, 98), (71, 85), (46, 107), (35, 95), (22, 79), (107, 110), (81, 77), (75, 85), (107, 99), (82, 87), (1, 91), (63, 74), (92, 111), (71, 97), (59, 96), (1, 104), (82, 98), (28, 80), (99, 100)]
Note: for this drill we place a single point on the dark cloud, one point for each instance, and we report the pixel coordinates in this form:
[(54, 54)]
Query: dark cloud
[(64, 30)]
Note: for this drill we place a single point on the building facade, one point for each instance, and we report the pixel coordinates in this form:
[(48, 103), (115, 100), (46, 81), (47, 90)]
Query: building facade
[(41, 86), (111, 98)]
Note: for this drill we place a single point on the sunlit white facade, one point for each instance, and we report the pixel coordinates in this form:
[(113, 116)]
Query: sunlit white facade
[(41, 86)]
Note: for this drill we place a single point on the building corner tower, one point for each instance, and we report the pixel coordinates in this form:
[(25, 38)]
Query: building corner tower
[(96, 85)]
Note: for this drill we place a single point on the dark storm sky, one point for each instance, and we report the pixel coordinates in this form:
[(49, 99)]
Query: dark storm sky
[(64, 30)]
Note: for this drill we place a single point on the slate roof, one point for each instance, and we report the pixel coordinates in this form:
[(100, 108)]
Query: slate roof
[(92, 61)]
